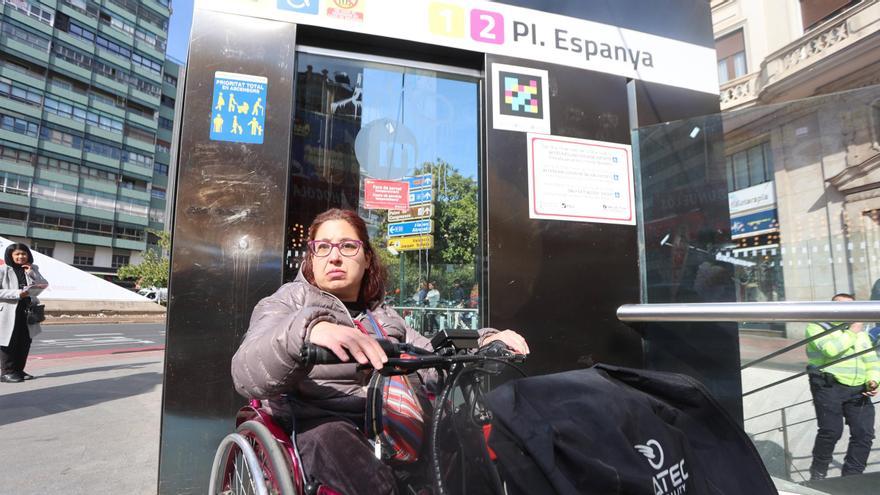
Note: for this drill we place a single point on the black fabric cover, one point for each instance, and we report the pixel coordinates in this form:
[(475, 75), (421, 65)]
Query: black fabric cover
[(599, 430)]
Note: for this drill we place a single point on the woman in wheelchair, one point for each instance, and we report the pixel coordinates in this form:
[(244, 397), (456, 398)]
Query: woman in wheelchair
[(335, 302)]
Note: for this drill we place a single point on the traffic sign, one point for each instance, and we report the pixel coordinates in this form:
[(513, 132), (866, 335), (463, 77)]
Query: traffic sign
[(410, 228), (411, 243), (413, 213), (424, 181), (421, 196)]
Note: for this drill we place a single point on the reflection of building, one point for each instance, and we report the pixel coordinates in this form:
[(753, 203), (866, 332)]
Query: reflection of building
[(87, 99), (818, 158)]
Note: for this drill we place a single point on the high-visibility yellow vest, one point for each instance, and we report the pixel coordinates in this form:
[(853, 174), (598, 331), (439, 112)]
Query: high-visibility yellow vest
[(838, 344)]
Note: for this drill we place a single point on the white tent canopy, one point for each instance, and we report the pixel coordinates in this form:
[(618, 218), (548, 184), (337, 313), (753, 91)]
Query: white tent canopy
[(72, 284)]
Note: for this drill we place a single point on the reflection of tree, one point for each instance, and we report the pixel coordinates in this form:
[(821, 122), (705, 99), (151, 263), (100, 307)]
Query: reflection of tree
[(455, 234)]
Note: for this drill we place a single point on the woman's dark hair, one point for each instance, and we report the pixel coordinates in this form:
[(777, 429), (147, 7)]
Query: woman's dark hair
[(17, 246), (373, 283)]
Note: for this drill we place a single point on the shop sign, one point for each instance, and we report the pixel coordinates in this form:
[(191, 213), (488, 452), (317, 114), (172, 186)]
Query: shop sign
[(413, 213), (503, 30), (238, 108), (410, 228), (386, 194), (762, 222), (411, 243), (760, 197)]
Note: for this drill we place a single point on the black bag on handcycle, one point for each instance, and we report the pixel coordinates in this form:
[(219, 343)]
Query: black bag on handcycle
[(623, 431)]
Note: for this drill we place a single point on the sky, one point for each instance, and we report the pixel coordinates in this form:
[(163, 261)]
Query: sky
[(178, 30)]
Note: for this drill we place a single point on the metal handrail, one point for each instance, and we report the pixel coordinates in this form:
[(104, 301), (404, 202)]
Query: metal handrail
[(753, 312)]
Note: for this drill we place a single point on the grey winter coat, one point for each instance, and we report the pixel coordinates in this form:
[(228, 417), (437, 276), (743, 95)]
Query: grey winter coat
[(9, 297), (268, 362)]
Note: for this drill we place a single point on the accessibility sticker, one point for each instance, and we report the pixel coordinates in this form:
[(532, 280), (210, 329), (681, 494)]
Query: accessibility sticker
[(238, 112)]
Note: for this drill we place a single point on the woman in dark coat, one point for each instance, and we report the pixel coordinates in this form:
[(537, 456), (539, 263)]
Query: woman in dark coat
[(15, 332)]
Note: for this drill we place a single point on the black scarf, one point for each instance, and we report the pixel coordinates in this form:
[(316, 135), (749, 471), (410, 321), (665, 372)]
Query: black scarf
[(19, 273)]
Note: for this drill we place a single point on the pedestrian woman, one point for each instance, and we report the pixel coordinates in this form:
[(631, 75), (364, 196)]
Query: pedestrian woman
[(15, 332), (341, 281)]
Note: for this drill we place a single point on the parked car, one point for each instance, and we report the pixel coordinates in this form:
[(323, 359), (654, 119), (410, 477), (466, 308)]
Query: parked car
[(158, 294)]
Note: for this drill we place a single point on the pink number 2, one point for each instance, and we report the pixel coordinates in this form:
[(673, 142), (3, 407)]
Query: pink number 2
[(487, 26)]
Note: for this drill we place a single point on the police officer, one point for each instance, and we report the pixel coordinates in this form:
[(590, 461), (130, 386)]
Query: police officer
[(842, 391)]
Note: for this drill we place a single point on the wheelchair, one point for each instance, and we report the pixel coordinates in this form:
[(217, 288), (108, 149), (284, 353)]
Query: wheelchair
[(260, 458)]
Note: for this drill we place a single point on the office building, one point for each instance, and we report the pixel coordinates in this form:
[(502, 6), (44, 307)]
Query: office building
[(87, 101)]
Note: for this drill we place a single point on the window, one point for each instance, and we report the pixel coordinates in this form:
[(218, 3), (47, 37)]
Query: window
[(130, 233), (815, 11), (18, 125), (99, 200), (749, 167), (45, 250), (161, 169), (170, 79), (61, 137), (16, 156), (731, 53), (147, 63), (38, 12), (83, 255), (133, 184), (14, 217), (133, 207), (139, 134), (157, 216), (167, 101), (54, 191), (158, 193), (875, 121), (51, 221), (82, 6), (102, 149), (120, 260), (166, 123), (19, 92), (153, 18), (25, 36), (163, 146), (94, 227), (14, 184), (138, 159)]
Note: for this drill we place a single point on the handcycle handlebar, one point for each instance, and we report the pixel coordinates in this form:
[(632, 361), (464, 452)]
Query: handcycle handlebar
[(406, 358)]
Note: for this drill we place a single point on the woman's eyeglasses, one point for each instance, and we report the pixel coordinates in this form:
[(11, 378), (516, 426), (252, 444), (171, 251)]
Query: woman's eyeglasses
[(347, 248)]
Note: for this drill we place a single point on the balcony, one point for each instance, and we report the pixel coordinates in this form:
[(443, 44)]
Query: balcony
[(51, 234), (9, 227), (823, 57)]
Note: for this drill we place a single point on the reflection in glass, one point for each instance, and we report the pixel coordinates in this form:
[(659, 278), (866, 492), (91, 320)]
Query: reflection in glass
[(799, 221), (355, 121)]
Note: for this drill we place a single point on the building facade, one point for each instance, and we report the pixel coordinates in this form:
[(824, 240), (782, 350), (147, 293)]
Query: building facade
[(803, 189), (87, 99)]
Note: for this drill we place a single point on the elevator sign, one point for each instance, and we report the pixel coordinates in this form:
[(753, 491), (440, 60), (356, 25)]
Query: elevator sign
[(238, 110)]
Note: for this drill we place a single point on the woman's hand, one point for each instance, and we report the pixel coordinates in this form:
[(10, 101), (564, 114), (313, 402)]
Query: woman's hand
[(23, 294), (512, 339), (27, 268), (345, 341)]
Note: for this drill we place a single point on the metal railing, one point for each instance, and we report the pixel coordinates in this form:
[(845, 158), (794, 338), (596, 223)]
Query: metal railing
[(840, 312), (428, 320)]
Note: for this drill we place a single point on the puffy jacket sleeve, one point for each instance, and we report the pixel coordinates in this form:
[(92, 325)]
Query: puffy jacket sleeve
[(267, 362)]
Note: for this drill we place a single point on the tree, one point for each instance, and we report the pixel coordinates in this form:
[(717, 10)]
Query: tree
[(455, 235), (153, 270)]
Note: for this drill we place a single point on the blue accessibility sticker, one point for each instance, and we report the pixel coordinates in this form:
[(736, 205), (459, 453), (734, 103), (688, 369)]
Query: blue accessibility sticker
[(238, 112)]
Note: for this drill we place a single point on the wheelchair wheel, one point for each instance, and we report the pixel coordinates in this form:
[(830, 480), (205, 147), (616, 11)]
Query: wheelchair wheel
[(236, 469), (261, 467)]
